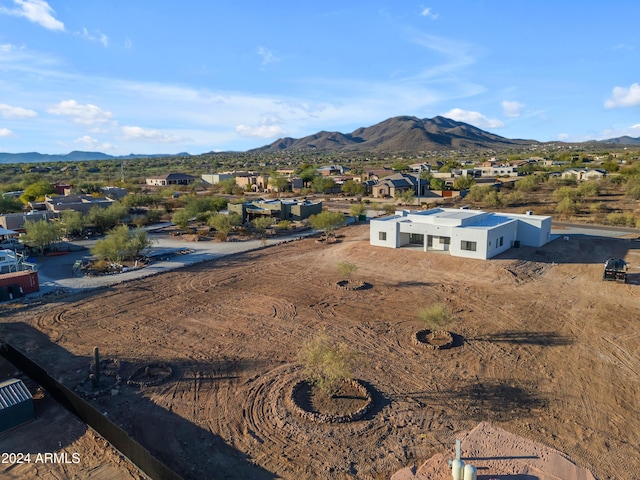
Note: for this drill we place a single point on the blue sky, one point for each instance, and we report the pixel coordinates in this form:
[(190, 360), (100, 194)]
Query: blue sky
[(165, 77)]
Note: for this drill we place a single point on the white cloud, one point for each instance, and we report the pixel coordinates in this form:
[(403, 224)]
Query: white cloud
[(7, 111), (624, 97), (260, 131), (428, 12), (82, 114), (562, 136), (269, 127), (512, 109), (36, 11), (97, 37), (150, 135), (5, 132), (267, 56), (632, 131), (473, 118), (92, 144)]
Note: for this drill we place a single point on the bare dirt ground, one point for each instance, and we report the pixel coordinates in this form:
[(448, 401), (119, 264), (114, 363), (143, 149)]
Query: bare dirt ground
[(81, 452), (543, 348)]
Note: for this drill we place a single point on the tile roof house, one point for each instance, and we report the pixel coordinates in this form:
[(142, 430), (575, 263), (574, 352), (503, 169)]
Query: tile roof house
[(395, 184)]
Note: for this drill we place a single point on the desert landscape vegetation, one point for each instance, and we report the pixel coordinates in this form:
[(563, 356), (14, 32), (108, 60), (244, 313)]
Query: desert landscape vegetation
[(217, 360)]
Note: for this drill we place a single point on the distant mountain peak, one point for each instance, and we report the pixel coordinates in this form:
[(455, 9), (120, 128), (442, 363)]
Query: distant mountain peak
[(401, 134)]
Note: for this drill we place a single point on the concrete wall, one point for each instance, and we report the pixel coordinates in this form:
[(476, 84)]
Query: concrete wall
[(391, 229), (533, 230)]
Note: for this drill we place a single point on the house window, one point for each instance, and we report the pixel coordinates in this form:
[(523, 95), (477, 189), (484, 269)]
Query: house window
[(382, 236), (501, 241), (470, 246)]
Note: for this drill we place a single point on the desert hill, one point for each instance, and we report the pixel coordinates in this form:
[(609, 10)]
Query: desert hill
[(399, 134)]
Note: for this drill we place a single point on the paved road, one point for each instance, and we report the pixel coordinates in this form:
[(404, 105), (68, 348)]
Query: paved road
[(57, 273)]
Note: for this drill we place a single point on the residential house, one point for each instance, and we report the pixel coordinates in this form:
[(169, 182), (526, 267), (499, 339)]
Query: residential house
[(282, 209), (253, 181), (394, 185), (171, 179), (582, 174), (215, 178), (461, 232), (78, 203), (16, 221)]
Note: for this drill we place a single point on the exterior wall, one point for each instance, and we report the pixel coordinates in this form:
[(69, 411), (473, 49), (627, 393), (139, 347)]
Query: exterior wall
[(238, 208), (533, 230), (477, 235), (16, 221), (390, 228), (302, 211), (214, 179)]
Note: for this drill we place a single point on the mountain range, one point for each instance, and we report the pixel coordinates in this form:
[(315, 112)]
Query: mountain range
[(399, 134), (75, 156), (402, 134)]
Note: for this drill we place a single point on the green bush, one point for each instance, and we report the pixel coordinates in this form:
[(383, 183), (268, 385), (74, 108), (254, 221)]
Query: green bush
[(326, 364)]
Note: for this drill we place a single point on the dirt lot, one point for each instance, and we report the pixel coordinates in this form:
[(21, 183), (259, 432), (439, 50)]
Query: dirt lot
[(544, 348)]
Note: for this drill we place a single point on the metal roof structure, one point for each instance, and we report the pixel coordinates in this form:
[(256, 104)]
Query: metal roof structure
[(12, 392)]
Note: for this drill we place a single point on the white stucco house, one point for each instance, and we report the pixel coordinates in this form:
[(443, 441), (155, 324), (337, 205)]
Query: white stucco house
[(461, 232)]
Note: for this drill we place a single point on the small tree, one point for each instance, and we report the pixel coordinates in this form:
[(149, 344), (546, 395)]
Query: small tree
[(407, 197), (347, 269), (436, 317), (327, 221), (357, 209), (327, 364), (121, 244), (224, 224), (181, 218), (278, 181), (41, 234), (72, 222), (261, 224), (388, 208)]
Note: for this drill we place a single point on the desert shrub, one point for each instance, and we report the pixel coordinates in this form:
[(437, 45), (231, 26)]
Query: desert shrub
[(347, 269), (284, 224), (357, 209), (529, 183), (566, 192), (154, 216), (627, 219), (514, 198), (436, 317), (567, 206), (327, 221), (388, 208), (261, 224), (326, 364), (493, 199), (589, 189)]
